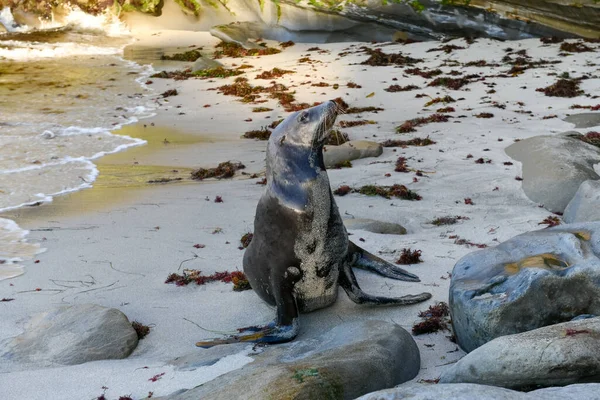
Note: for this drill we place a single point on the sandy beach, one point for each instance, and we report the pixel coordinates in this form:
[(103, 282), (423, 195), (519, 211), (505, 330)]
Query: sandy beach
[(116, 243)]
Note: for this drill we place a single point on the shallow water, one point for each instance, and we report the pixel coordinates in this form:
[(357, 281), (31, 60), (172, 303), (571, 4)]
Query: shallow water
[(62, 91)]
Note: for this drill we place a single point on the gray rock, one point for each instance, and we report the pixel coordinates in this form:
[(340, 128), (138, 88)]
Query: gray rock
[(554, 355), (205, 63), (72, 335), (206, 357), (584, 120), (348, 361), (370, 225), (470, 391), (352, 150), (554, 167), (533, 280), (587, 391), (299, 29), (585, 205), (239, 33)]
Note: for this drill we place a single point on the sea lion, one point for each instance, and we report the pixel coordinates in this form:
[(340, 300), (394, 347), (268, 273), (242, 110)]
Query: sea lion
[(300, 251)]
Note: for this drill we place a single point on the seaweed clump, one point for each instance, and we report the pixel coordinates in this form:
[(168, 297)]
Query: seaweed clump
[(191, 55), (427, 74), (378, 58), (238, 278), (357, 110), (448, 220), (350, 124), (405, 143), (575, 47), (217, 72), (450, 83), (411, 124), (445, 100), (176, 75), (274, 73), (435, 318), (260, 134), (408, 257), (398, 191), (169, 93), (234, 50), (398, 88), (562, 88), (223, 170), (336, 138), (141, 329), (592, 138), (550, 221), (448, 48), (246, 239)]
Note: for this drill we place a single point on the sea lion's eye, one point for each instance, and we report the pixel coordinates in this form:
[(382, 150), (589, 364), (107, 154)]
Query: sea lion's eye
[(303, 117)]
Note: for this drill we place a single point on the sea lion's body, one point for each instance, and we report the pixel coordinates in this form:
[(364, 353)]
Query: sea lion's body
[(300, 252)]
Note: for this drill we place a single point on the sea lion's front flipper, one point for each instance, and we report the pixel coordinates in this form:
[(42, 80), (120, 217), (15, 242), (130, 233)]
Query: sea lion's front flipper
[(283, 329), (348, 282), (361, 258)]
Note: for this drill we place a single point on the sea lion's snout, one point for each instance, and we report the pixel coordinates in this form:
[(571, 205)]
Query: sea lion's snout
[(328, 112)]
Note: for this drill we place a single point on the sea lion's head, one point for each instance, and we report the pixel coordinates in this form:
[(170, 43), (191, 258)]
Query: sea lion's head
[(302, 134)]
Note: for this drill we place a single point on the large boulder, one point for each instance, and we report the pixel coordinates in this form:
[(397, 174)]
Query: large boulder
[(554, 167), (585, 205), (554, 355), (533, 280), (348, 361), (72, 335), (470, 391)]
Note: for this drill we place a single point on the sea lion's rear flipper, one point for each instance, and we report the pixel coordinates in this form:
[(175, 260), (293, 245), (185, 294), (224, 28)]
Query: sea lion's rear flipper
[(348, 282), (268, 334), (361, 258), (283, 329)]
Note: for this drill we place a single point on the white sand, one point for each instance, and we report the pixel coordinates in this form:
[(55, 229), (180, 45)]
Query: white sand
[(117, 251)]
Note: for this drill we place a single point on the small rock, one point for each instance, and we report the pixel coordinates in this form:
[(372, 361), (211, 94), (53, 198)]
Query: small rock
[(554, 355), (370, 225), (533, 280), (352, 150), (72, 335), (350, 360), (203, 63), (48, 135), (585, 205), (584, 120), (554, 167)]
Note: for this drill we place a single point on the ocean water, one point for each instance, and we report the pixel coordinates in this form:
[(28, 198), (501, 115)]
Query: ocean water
[(63, 89)]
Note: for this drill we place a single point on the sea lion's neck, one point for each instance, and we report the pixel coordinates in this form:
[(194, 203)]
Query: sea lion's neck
[(291, 171)]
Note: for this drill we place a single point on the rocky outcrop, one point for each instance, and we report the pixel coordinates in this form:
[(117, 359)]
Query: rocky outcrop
[(503, 19), (348, 361), (533, 280), (470, 391), (554, 167), (555, 355), (72, 335)]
